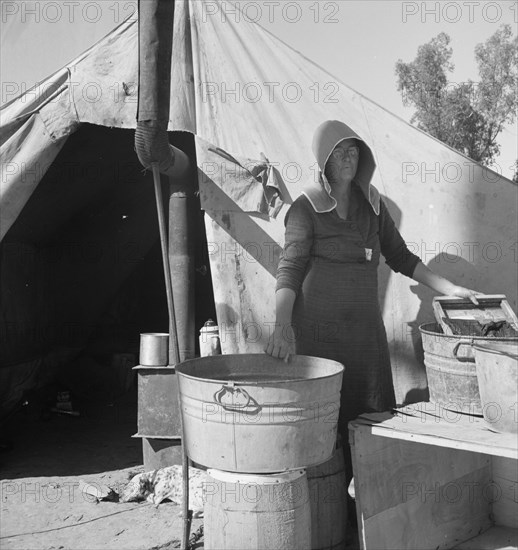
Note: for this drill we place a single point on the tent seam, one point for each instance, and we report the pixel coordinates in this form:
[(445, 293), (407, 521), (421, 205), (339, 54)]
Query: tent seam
[(72, 98)]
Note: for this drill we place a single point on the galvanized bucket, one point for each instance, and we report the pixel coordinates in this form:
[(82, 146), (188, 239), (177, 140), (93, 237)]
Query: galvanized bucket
[(253, 413), (451, 370), (497, 372)]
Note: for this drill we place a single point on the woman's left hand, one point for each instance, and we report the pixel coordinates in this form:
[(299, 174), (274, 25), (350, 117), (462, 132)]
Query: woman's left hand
[(462, 292), (423, 274)]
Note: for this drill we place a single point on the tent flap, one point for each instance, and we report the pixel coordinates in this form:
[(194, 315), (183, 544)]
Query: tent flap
[(28, 154)]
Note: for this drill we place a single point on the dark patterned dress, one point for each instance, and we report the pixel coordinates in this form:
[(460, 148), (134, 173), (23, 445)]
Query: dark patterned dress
[(332, 266)]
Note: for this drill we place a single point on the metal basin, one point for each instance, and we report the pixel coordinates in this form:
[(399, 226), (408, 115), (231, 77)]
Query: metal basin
[(451, 370), (497, 372), (252, 413)]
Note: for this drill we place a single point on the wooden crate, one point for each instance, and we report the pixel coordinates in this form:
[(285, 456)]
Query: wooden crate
[(428, 478)]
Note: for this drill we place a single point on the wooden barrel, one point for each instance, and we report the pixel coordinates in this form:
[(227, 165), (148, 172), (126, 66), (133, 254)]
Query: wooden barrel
[(247, 512), (328, 503)]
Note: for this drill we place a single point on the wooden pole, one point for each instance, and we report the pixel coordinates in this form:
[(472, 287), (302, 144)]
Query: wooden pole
[(174, 352)]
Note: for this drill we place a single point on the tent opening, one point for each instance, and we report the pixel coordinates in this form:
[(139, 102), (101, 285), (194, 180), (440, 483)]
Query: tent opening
[(81, 271)]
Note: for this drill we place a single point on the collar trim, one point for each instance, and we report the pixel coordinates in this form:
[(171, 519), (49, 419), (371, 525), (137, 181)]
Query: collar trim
[(322, 201)]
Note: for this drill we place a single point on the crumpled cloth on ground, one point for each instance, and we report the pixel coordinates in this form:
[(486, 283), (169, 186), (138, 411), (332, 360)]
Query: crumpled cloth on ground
[(166, 483)]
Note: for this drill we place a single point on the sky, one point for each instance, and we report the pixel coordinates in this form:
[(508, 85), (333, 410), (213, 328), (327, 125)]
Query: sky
[(358, 41)]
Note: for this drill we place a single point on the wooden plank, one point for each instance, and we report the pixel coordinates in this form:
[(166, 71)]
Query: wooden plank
[(483, 447), (437, 520), (428, 423), (415, 496), (511, 315), (496, 538), (504, 491), (439, 316), (418, 486), (503, 467), (391, 472)]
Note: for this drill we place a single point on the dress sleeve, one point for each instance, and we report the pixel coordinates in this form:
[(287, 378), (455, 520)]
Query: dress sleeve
[(297, 248), (393, 247)]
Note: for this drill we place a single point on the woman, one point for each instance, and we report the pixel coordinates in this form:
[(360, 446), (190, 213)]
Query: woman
[(327, 287)]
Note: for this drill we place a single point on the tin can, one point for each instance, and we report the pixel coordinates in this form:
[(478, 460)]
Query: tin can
[(154, 349)]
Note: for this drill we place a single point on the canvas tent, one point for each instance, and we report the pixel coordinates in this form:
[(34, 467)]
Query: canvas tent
[(246, 97)]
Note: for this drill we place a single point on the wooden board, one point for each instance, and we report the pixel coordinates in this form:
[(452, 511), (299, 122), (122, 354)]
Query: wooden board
[(504, 493), (401, 471), (428, 478), (496, 538), (411, 495), (493, 307), (431, 424)]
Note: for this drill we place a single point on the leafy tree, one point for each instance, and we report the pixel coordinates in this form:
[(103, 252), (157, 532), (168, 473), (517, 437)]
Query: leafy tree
[(466, 116)]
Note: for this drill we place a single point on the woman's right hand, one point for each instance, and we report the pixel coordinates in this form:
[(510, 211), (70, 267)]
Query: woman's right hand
[(281, 343)]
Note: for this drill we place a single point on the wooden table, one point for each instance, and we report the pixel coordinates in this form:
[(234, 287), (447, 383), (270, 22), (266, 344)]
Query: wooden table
[(430, 478)]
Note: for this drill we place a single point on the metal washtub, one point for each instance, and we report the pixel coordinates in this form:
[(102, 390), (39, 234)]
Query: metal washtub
[(497, 373), (253, 413), (451, 369)]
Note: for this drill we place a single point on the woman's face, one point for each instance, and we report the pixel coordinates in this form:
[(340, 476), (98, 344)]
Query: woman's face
[(343, 161)]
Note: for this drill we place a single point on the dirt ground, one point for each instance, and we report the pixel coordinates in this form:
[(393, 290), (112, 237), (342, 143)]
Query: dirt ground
[(42, 507)]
